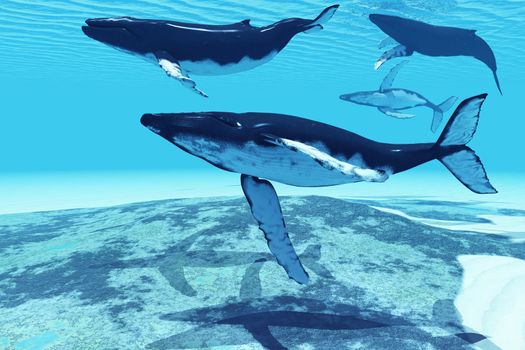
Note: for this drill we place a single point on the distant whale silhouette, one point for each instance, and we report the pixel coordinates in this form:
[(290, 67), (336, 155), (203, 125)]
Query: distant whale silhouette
[(431, 40), (184, 48), (391, 100), (269, 319), (302, 152)]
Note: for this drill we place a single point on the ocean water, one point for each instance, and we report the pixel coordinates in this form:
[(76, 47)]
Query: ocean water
[(111, 238)]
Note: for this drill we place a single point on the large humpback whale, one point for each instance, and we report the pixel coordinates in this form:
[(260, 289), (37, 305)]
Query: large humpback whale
[(391, 101), (181, 49), (303, 152), (431, 40)]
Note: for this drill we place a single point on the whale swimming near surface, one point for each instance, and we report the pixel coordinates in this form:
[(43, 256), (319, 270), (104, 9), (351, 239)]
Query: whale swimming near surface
[(391, 100), (431, 40), (265, 147), (181, 49)]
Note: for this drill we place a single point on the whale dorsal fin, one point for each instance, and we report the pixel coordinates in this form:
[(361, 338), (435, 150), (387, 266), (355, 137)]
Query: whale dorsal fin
[(327, 161), (389, 79), (242, 24)]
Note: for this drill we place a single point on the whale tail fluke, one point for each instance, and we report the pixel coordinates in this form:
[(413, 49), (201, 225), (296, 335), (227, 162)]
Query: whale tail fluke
[(461, 160), (438, 112), (325, 16), (497, 81)]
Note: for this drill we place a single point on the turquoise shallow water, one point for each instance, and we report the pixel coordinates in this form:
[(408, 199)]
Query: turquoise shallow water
[(402, 265), (71, 103)]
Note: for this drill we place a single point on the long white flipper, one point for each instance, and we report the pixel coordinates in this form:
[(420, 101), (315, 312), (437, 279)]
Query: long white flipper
[(395, 114), (266, 209), (398, 51), (173, 70), (329, 162), (389, 78)]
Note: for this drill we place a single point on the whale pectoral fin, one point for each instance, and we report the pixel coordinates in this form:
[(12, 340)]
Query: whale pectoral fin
[(251, 283), (395, 114), (388, 41), (389, 79), (174, 70), (266, 209), (398, 51), (329, 162), (174, 273)]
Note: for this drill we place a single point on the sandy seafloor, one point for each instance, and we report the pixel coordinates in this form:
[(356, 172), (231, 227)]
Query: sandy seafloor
[(391, 273)]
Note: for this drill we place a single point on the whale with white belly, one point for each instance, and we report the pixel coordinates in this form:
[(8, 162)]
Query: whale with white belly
[(181, 49), (303, 152), (391, 101)]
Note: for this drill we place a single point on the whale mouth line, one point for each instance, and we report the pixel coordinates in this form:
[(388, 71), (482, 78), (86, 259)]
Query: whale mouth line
[(110, 32), (104, 23), (155, 122)]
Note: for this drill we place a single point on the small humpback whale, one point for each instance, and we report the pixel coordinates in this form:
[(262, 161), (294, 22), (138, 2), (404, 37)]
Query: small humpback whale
[(431, 40), (181, 49), (391, 100), (303, 152)]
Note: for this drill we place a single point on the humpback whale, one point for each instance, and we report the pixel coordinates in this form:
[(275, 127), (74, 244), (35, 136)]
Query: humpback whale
[(181, 49), (391, 100), (431, 40), (265, 147)]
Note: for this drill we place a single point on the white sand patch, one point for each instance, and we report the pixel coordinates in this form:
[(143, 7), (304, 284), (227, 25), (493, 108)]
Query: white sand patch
[(511, 226), (491, 299)]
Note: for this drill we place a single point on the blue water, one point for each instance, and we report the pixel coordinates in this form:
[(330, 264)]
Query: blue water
[(71, 103), (71, 138)]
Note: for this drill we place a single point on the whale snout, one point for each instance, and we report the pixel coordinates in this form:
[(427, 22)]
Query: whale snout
[(169, 124), (386, 23), (114, 36), (349, 97), (377, 19), (152, 122), (178, 127), (108, 22), (114, 32)]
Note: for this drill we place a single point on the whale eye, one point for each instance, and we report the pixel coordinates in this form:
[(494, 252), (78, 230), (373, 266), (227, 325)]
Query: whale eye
[(228, 121)]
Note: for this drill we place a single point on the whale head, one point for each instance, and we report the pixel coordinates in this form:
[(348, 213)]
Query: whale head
[(354, 97), (396, 27), (381, 20), (367, 98), (118, 32), (208, 135)]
